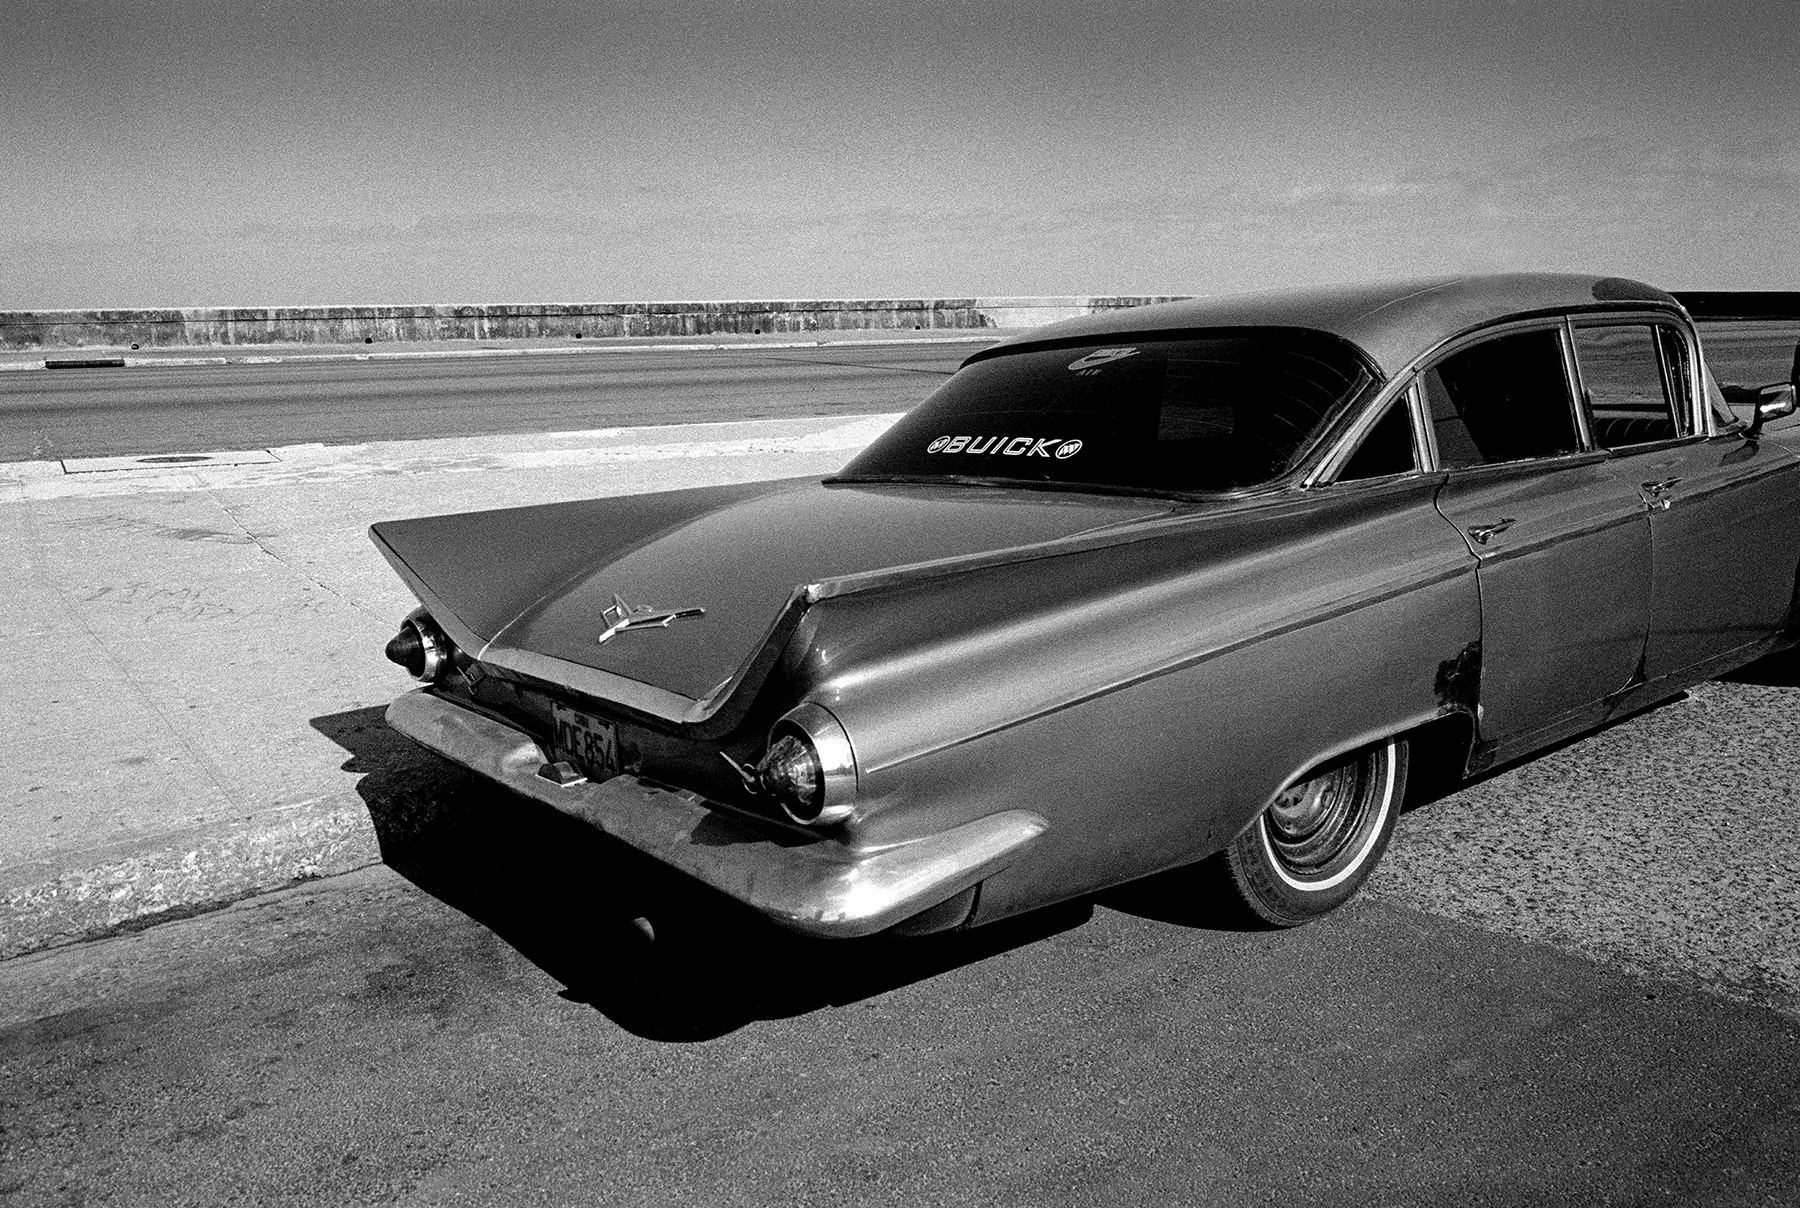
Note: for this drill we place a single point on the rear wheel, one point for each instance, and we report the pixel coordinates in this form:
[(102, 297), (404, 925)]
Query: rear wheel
[(1317, 842)]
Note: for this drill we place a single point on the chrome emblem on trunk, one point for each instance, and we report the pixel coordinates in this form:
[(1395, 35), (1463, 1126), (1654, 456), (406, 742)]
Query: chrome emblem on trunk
[(621, 616)]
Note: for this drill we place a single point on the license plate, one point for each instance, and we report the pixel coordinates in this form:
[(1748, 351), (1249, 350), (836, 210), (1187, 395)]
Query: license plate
[(590, 743)]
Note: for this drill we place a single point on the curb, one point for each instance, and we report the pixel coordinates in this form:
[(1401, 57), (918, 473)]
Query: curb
[(137, 884), (402, 796)]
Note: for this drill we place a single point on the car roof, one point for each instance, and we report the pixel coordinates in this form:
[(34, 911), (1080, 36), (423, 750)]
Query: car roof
[(1392, 322)]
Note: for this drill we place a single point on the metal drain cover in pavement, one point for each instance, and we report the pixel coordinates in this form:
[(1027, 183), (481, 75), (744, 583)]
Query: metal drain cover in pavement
[(163, 461)]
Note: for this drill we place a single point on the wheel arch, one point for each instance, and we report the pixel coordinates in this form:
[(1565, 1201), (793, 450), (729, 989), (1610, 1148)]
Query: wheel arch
[(1438, 749)]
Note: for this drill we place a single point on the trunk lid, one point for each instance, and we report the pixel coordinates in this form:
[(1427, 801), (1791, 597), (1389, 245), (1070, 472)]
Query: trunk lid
[(549, 580)]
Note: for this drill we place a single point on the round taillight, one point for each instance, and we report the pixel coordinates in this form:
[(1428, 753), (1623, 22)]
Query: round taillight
[(809, 768), (791, 774), (420, 647)]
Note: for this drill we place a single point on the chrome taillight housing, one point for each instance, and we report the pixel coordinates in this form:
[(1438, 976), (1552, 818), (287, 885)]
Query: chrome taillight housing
[(809, 768), (420, 647)]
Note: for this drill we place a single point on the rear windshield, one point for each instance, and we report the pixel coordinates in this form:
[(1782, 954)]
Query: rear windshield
[(1204, 414)]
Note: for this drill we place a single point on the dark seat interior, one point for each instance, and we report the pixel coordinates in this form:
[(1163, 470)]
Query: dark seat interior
[(1610, 432)]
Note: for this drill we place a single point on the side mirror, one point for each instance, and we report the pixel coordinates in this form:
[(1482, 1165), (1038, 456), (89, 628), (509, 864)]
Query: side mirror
[(1773, 402)]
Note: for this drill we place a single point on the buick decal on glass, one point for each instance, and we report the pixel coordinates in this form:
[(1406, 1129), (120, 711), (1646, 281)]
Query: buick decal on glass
[(1101, 357), (1006, 446)]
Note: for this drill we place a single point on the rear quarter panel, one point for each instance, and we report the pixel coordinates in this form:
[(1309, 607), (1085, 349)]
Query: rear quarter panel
[(1147, 698)]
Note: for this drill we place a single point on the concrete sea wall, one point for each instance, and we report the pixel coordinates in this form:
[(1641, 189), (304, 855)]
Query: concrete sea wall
[(235, 326)]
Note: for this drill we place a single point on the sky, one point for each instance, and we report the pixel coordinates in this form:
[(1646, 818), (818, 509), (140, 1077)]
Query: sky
[(201, 154)]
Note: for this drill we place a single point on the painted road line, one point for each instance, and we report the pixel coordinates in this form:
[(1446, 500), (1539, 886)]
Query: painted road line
[(311, 464)]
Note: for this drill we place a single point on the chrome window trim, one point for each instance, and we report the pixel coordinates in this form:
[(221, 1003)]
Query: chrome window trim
[(1699, 416), (1580, 457), (1651, 446), (1415, 370), (1415, 389), (1424, 439), (1350, 442), (1584, 427), (1406, 381), (1457, 343), (1702, 423)]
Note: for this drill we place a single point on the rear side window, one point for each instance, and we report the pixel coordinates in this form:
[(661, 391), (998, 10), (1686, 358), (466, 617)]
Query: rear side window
[(1634, 377), (1386, 449), (1506, 399)]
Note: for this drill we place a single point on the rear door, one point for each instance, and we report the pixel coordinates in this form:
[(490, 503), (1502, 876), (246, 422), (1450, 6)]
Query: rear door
[(1563, 545), (1724, 535)]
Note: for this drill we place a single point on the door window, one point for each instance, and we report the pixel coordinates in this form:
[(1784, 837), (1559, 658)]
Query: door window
[(1505, 399), (1634, 377)]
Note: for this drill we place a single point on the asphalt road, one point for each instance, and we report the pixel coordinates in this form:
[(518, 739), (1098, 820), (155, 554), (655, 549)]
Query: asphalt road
[(1566, 987), (524, 1013), (152, 409)]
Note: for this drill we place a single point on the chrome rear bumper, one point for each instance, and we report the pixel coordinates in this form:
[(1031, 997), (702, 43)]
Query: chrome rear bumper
[(822, 888)]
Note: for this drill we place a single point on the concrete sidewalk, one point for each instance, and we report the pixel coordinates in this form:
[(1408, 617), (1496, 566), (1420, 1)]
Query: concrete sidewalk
[(193, 651)]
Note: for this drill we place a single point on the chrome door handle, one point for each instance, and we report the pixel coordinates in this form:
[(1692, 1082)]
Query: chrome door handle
[(1481, 532), (1655, 492)]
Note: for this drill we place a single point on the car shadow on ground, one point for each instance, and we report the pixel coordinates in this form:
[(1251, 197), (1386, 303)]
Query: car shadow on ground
[(1771, 671), (1437, 774), (656, 952), (1197, 896)]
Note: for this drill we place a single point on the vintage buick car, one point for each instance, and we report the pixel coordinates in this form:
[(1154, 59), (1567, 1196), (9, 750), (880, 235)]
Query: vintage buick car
[(1126, 592)]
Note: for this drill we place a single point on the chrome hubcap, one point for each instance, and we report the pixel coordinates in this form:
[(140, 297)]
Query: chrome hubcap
[(1313, 823)]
